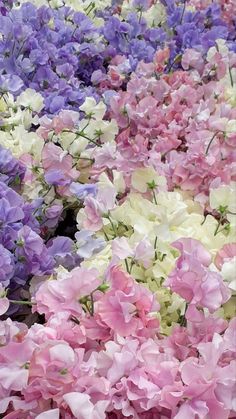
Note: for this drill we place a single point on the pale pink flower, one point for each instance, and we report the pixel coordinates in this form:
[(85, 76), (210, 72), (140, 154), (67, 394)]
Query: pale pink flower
[(54, 296), (4, 303), (49, 414), (83, 408), (125, 307), (192, 279), (226, 253)]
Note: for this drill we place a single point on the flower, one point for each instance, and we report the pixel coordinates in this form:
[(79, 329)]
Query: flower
[(83, 190), (4, 303), (126, 306), (193, 281), (30, 99), (83, 408)]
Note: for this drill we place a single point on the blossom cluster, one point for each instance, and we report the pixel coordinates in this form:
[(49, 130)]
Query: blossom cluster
[(117, 209)]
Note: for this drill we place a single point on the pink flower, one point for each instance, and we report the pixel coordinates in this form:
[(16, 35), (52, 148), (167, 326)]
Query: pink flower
[(93, 220), (192, 59), (193, 409), (55, 160), (51, 371), (65, 120), (193, 281), (126, 306), (13, 358), (95, 208), (11, 331), (207, 381), (227, 252), (55, 296), (49, 414), (161, 59), (4, 303), (83, 408), (230, 336)]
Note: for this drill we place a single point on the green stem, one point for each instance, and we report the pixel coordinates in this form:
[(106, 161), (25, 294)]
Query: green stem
[(231, 77), (183, 11), (112, 225), (92, 305), (45, 194), (75, 320), (27, 303), (140, 16), (183, 321), (154, 197), (131, 265), (127, 265), (218, 225), (223, 229), (210, 142), (105, 234), (89, 139), (83, 158), (155, 247)]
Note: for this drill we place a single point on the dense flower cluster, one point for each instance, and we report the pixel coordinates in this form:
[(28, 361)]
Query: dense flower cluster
[(117, 209)]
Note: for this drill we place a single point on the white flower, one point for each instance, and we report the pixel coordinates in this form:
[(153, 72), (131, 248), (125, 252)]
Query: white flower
[(228, 271), (92, 109), (142, 176), (98, 129), (100, 261), (107, 130), (78, 146), (224, 197), (118, 181), (31, 99), (155, 15)]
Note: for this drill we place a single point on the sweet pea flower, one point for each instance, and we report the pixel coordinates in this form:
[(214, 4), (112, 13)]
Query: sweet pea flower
[(92, 109), (226, 261), (83, 190), (87, 244), (4, 303), (126, 306), (82, 407), (30, 99), (6, 265), (58, 164), (10, 83), (49, 414), (193, 280), (64, 294)]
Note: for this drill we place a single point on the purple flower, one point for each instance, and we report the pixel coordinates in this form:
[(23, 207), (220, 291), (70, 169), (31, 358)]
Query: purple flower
[(83, 190), (10, 83), (57, 103), (8, 213), (62, 250), (56, 177), (141, 4), (53, 214), (6, 266), (87, 244), (11, 170), (32, 252), (29, 243)]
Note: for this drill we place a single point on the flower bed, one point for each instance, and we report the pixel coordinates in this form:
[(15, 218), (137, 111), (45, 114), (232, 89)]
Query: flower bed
[(117, 209)]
